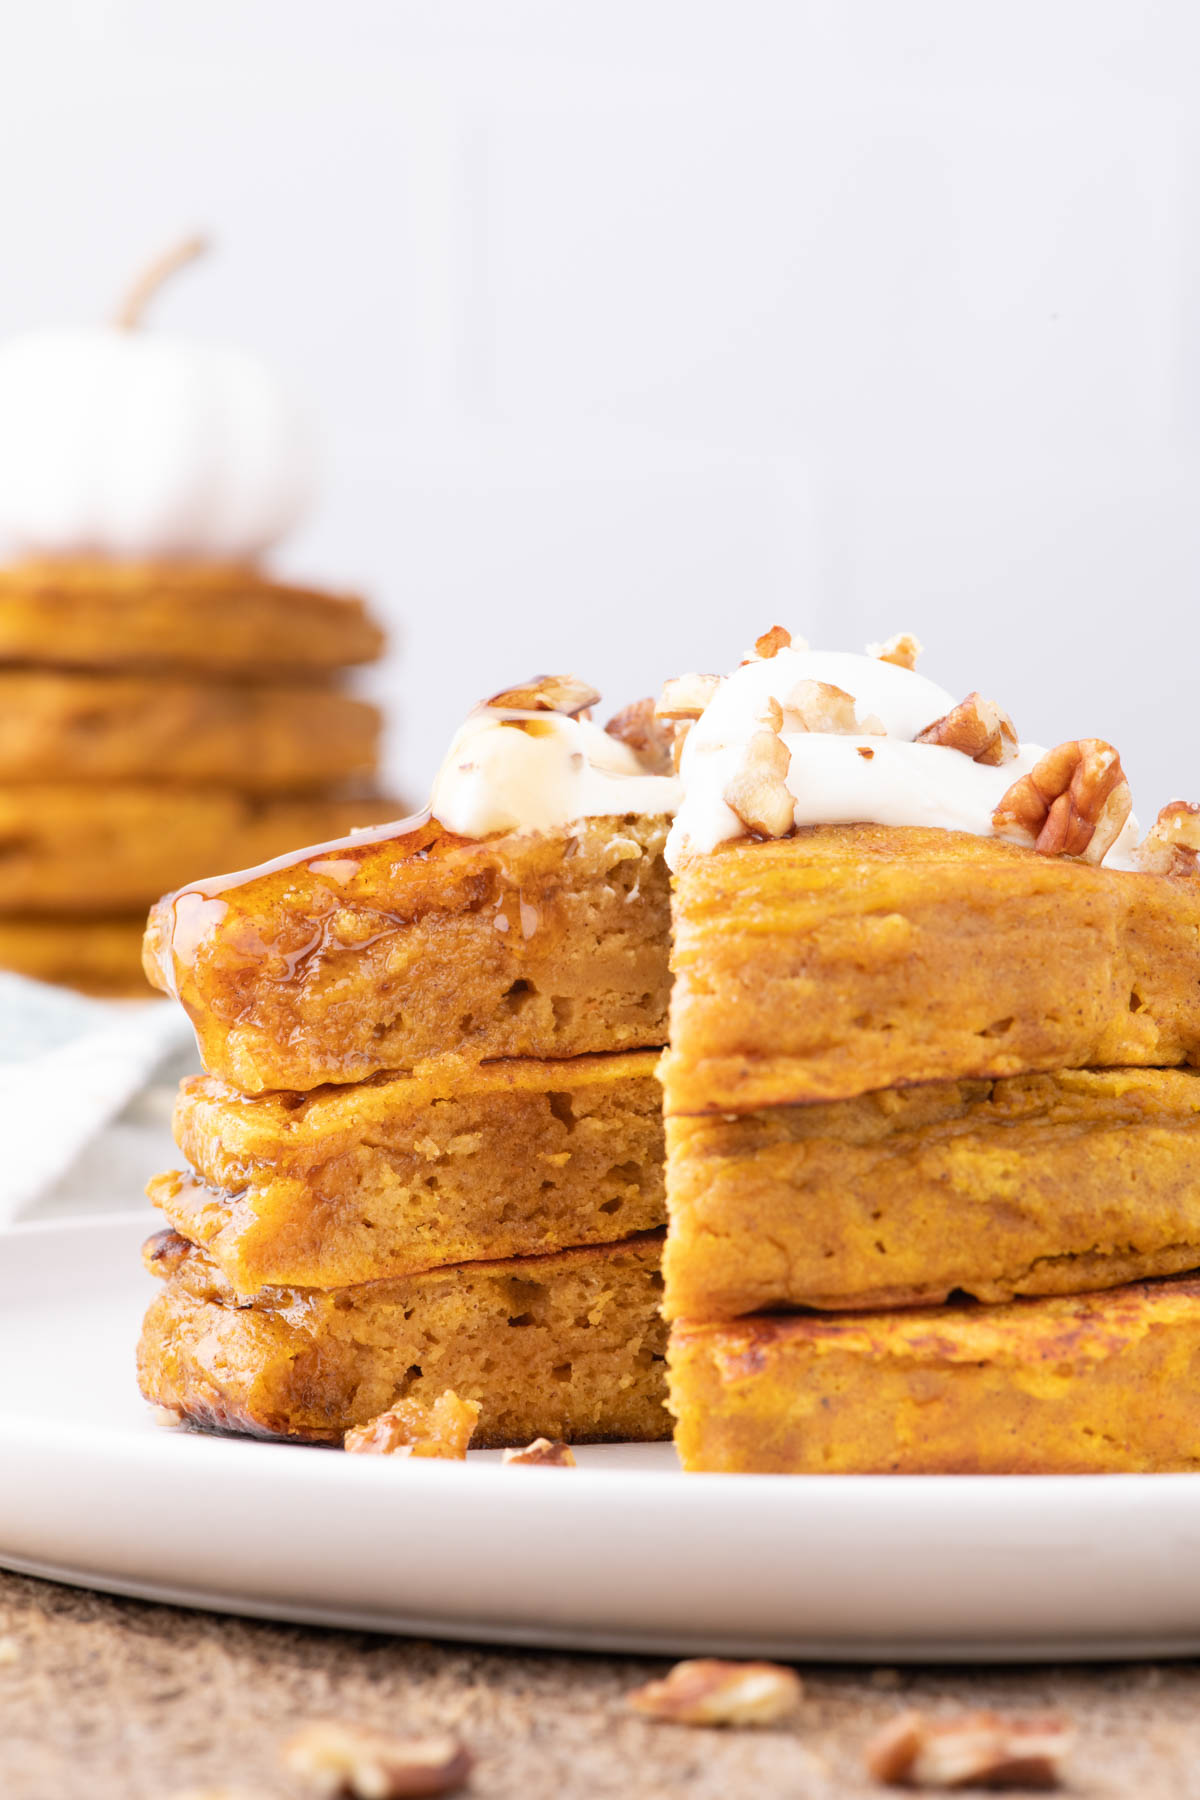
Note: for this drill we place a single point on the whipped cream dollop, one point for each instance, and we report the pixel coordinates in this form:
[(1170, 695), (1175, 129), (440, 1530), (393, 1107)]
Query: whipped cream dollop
[(119, 443), (511, 770), (876, 775)]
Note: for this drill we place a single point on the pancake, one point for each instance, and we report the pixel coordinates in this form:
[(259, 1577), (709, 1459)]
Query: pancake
[(851, 958), (565, 1346), (1036, 1184), (1096, 1384), (415, 943), (70, 726), (208, 617), (97, 956), (405, 1173), (67, 848)]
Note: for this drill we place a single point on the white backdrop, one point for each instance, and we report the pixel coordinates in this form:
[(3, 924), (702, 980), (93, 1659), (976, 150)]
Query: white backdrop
[(636, 325)]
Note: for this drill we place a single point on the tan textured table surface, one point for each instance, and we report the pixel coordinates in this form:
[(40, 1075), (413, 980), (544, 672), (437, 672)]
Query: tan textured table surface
[(106, 1699)]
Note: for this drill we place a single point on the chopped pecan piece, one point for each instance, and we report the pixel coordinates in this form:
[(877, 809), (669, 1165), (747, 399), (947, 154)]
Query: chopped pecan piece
[(549, 693), (1172, 844), (708, 1692), (977, 727), (772, 642), (362, 1764), (543, 1454), (758, 792), (819, 706), (1074, 802), (412, 1429), (686, 696), (165, 1252), (650, 738), (901, 650), (975, 1750)]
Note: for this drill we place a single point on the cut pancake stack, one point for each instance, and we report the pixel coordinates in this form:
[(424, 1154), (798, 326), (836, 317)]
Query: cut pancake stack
[(932, 1127), (157, 720), (933, 1172), (427, 1155)]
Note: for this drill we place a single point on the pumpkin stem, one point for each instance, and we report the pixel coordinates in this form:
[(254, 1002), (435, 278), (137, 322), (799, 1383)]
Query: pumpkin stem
[(129, 314)]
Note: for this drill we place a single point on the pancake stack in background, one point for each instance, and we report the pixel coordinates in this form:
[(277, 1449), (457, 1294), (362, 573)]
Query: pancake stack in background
[(426, 1165), (155, 722), (166, 707), (933, 1169)]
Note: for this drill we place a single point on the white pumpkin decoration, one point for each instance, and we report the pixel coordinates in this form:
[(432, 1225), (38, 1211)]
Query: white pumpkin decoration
[(116, 443)]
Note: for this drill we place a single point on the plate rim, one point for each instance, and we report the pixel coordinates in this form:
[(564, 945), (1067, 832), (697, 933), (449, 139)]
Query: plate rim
[(1013, 1520)]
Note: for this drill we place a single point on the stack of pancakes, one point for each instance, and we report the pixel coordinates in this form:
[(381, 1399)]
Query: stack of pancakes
[(933, 1170), (427, 1154), (932, 1137), (156, 721)]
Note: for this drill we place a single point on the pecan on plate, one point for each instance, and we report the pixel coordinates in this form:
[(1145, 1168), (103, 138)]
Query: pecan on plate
[(410, 1428), (542, 1454), (1074, 802)]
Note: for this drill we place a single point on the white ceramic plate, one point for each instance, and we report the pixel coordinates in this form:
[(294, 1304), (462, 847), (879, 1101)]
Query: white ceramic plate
[(623, 1553)]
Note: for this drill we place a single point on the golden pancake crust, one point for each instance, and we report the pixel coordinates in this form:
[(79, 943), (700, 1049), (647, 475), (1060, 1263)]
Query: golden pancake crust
[(1096, 1384)]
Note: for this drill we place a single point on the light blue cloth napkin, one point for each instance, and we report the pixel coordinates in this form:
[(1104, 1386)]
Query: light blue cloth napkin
[(70, 1067)]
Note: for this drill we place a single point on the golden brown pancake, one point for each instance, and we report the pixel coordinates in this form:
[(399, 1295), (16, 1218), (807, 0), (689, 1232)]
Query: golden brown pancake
[(92, 613), (1097, 1384), (383, 953), (1035, 1184), (98, 956), (72, 849), (563, 1346), (404, 1173), (857, 957), (72, 726)]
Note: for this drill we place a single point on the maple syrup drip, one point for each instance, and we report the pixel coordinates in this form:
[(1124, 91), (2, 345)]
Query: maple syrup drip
[(336, 848), (192, 914)]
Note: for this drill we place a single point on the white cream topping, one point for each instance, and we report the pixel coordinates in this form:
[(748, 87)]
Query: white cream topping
[(538, 771), (841, 779)]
